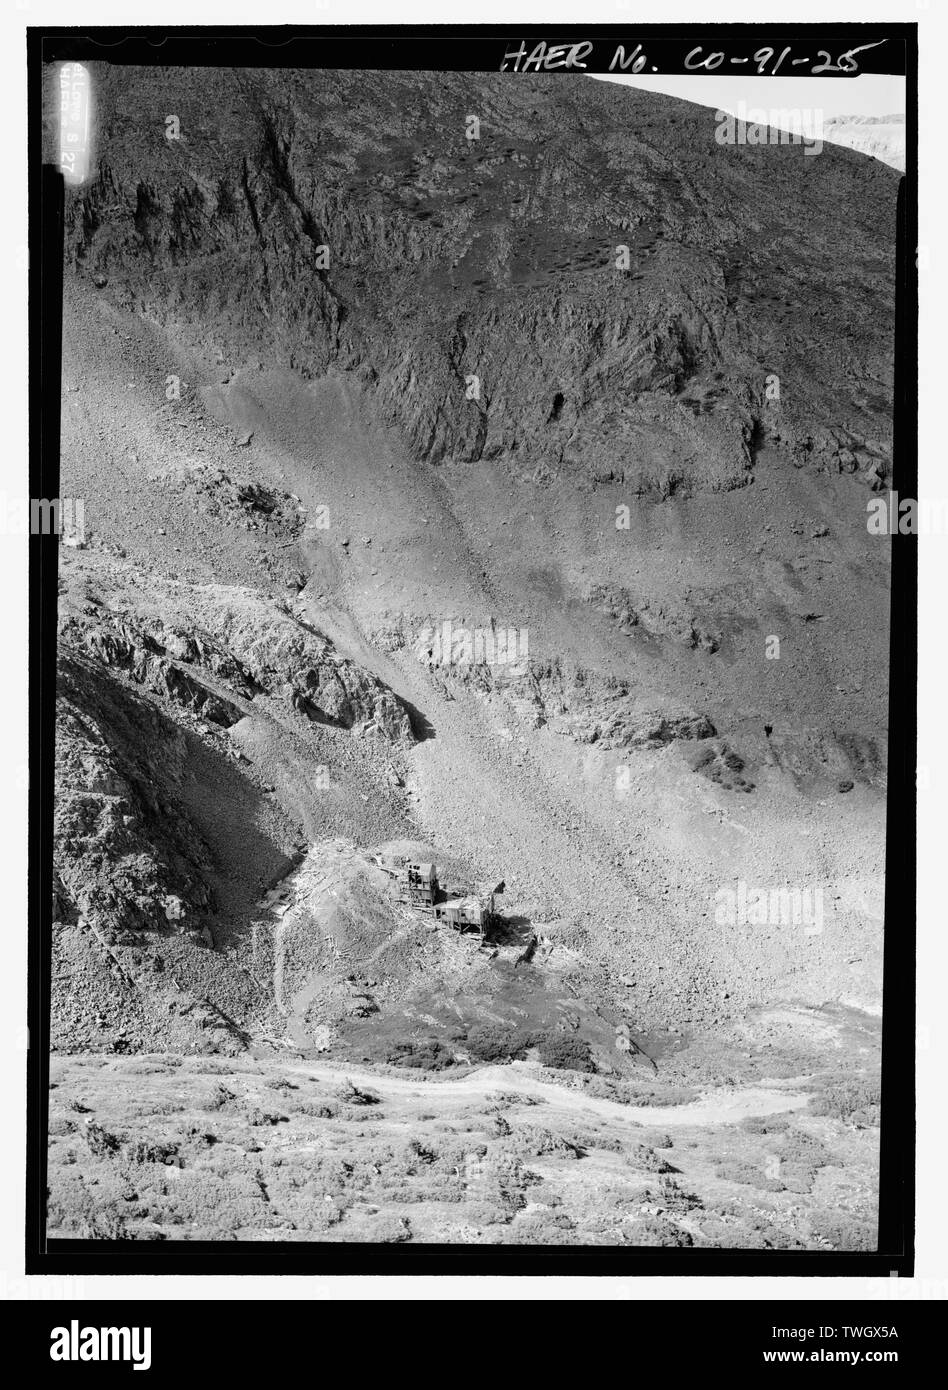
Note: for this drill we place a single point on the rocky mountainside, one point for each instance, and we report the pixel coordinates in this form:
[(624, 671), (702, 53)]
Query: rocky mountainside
[(348, 222), (414, 523)]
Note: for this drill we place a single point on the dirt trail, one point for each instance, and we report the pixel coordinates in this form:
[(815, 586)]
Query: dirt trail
[(721, 1107)]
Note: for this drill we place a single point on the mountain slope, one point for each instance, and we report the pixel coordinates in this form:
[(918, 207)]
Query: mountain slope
[(293, 483), (348, 221)]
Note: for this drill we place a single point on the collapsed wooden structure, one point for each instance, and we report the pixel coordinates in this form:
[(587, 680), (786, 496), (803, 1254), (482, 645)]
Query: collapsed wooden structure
[(465, 908)]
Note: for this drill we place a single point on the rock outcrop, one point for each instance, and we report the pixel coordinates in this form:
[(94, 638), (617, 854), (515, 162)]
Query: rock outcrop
[(127, 854), (239, 647), (593, 286)]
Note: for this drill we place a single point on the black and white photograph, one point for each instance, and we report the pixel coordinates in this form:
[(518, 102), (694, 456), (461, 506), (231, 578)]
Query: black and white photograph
[(479, 640)]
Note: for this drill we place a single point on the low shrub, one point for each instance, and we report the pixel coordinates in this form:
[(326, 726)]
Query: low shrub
[(801, 1155), (670, 1197), (846, 1232), (641, 1157), (733, 1237), (101, 1141), (493, 1042), (352, 1095), (565, 1051), (319, 1110), (855, 1101), (655, 1230), (533, 1141), (542, 1228), (141, 1151), (429, 1055)]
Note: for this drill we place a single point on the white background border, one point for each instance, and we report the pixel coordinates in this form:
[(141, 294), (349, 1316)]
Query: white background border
[(932, 1230)]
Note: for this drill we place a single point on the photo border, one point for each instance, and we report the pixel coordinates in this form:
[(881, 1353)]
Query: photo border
[(459, 48)]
